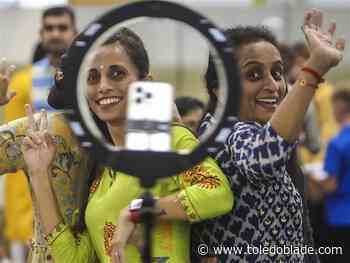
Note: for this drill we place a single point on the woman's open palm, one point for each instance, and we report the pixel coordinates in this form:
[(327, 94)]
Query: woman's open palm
[(322, 46)]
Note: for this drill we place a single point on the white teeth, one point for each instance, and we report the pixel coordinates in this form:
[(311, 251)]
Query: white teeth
[(271, 101), (107, 101)]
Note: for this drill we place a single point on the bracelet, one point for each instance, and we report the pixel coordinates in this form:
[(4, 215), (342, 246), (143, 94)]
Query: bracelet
[(136, 204), (135, 216), (134, 210), (303, 83), (314, 73)]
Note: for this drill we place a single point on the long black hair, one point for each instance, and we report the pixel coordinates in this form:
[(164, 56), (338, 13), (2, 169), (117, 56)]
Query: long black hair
[(135, 49)]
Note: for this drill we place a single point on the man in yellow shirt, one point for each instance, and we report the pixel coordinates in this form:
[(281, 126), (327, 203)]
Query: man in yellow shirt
[(32, 85)]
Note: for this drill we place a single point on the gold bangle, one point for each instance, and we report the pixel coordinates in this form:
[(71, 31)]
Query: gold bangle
[(303, 83)]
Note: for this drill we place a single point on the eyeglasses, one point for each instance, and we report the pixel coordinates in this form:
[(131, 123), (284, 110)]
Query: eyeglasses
[(114, 73), (59, 27)]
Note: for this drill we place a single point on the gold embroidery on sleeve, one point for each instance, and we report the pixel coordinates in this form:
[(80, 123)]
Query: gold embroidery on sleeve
[(95, 185), (198, 176)]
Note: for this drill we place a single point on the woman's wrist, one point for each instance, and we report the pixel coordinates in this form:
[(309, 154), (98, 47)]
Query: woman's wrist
[(134, 212), (39, 172), (317, 65), (314, 73), (307, 81), (40, 179)]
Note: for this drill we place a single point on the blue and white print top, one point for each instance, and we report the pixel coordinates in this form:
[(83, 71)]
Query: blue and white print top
[(268, 208), (42, 82)]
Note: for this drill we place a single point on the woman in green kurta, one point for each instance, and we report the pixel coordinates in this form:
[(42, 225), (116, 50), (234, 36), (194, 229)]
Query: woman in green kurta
[(199, 193)]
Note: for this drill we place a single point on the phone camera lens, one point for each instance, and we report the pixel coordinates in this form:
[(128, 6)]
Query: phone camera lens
[(138, 100), (148, 95), (139, 89)]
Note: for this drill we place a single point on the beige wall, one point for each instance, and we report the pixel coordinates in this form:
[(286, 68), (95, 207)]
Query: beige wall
[(97, 2), (19, 27)]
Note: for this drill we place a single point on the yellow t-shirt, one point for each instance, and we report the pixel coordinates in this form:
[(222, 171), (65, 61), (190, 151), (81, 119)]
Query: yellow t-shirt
[(18, 203), (326, 121)]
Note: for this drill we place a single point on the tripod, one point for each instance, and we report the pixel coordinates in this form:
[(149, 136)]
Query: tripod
[(147, 217)]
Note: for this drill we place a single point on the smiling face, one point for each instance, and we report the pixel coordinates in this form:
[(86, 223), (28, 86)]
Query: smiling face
[(109, 76), (261, 76)]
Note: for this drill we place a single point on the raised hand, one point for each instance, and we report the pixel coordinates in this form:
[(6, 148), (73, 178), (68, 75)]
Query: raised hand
[(325, 52), (37, 147), (5, 75)]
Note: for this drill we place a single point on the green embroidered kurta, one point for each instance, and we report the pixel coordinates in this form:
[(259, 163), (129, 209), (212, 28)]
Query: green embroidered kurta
[(69, 164), (204, 193)]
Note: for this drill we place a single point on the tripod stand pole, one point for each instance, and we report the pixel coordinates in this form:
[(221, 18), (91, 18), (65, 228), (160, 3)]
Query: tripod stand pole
[(147, 218)]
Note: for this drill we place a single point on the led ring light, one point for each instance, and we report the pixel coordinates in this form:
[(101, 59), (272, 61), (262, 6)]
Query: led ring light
[(155, 164)]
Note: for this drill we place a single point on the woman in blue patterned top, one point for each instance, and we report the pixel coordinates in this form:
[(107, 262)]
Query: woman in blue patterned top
[(266, 224)]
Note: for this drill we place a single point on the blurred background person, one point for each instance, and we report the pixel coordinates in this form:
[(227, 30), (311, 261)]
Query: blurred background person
[(337, 184), (312, 162), (310, 136), (310, 141), (32, 85), (322, 102), (191, 111), (39, 52)]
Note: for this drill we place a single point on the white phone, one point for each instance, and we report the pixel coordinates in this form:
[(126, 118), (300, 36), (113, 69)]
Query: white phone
[(149, 116)]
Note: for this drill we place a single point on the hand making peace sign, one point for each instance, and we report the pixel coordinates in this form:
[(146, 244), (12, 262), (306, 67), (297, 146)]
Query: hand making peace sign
[(37, 147)]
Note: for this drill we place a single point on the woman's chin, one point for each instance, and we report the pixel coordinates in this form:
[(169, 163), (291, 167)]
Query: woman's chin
[(111, 118), (263, 119)]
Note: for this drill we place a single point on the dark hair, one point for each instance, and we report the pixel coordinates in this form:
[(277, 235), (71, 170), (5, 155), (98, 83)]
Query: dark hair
[(188, 104), (243, 35), (135, 49), (238, 36), (287, 56), (299, 49), (56, 98), (39, 52), (212, 84), (59, 11), (344, 96)]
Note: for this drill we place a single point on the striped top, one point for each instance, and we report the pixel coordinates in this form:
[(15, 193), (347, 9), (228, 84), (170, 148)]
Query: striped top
[(42, 81)]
